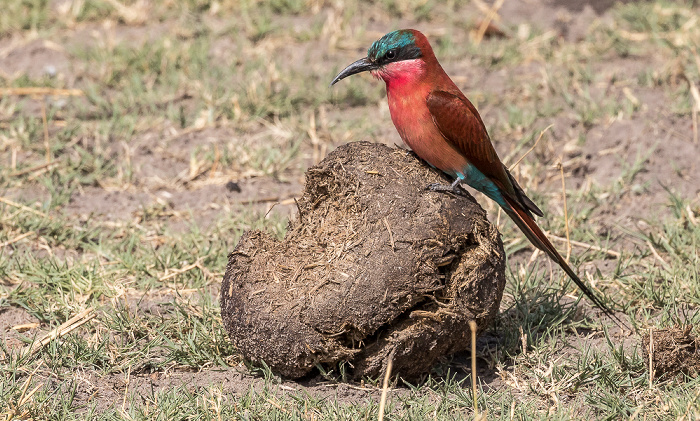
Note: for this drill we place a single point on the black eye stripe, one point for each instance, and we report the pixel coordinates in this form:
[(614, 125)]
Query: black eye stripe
[(399, 54)]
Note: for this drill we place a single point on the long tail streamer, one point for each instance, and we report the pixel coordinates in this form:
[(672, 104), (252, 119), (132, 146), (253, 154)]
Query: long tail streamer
[(532, 231)]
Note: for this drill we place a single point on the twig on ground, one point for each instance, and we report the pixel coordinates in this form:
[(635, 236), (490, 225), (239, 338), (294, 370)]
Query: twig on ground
[(67, 327), (512, 167), (657, 256), (126, 390), (609, 252), (276, 405), (651, 356), (21, 206), (279, 199), (691, 215), (34, 168), (25, 327), (16, 239), (472, 327), (385, 387), (44, 121), (491, 15), (566, 213), (175, 272)]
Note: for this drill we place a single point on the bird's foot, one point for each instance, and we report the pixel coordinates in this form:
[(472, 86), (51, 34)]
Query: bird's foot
[(454, 188)]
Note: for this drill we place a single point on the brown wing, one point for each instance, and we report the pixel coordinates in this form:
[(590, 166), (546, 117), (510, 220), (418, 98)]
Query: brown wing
[(461, 125)]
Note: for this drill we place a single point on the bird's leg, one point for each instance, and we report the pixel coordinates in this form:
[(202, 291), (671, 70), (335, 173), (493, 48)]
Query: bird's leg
[(454, 188)]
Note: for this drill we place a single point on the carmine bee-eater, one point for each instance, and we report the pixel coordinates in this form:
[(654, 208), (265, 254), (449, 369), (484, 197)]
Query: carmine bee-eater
[(436, 120)]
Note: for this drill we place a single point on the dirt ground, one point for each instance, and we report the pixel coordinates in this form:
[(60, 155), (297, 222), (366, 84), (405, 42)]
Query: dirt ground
[(164, 176)]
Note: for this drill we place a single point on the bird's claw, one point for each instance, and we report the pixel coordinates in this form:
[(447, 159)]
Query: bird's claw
[(438, 187), (454, 188)]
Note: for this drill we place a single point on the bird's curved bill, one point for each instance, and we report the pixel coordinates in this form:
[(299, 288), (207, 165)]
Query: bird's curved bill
[(361, 65)]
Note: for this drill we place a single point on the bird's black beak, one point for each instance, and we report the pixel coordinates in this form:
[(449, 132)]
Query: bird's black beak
[(361, 65)]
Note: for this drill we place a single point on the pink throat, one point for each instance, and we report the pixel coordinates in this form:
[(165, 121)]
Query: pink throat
[(400, 74)]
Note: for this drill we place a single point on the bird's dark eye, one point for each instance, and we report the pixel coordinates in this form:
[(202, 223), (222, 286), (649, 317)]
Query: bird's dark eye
[(391, 54)]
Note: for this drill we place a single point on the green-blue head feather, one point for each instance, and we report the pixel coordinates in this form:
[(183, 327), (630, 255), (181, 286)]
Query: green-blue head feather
[(400, 45)]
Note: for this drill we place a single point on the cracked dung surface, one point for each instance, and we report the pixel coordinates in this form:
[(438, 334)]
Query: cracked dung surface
[(373, 265)]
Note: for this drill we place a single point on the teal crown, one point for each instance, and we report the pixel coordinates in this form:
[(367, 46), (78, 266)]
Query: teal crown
[(393, 40)]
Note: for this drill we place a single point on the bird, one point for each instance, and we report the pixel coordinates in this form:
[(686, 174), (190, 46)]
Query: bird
[(437, 121)]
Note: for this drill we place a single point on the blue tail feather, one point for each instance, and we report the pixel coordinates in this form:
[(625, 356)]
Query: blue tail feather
[(478, 181)]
